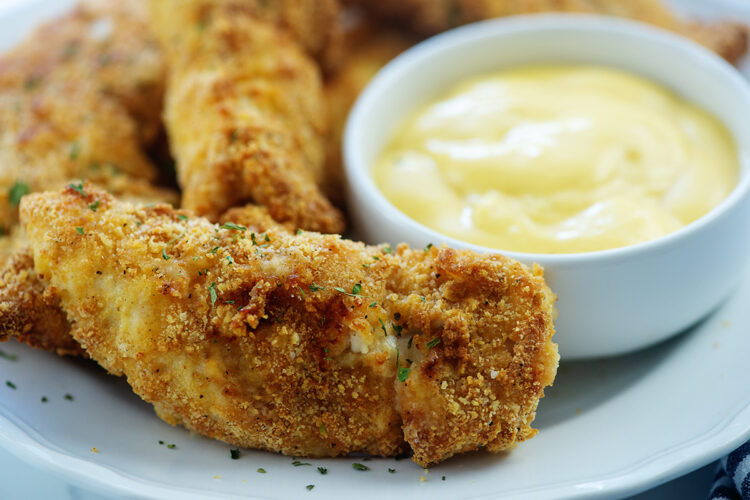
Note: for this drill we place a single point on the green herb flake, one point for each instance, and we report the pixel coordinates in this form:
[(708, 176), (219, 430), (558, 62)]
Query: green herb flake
[(164, 254), (392, 471), (323, 471), (301, 291), (297, 463), (423, 299), (161, 442), (373, 305), (44, 399), (366, 266), (75, 150), (10, 384), (79, 230), (9, 356), (357, 466), (316, 288), (310, 487), (68, 397), (172, 446), (408, 344), (397, 328), (299, 231), (212, 293), (388, 249), (94, 205), (234, 454), (215, 249), (382, 325), (403, 374), (182, 217), (432, 343), (261, 470), (321, 427), (233, 226), (356, 289), (18, 191), (427, 248), (443, 478), (267, 238), (78, 188), (229, 259)]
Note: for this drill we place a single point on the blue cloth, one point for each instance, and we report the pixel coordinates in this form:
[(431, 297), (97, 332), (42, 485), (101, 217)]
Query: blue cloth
[(732, 481)]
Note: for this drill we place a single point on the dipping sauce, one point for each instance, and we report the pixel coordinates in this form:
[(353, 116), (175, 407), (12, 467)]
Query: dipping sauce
[(558, 159)]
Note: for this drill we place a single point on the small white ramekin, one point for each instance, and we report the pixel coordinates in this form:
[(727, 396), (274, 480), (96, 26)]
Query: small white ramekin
[(610, 302)]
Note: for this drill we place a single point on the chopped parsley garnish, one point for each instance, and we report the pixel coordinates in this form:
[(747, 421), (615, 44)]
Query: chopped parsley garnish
[(375, 257), (18, 191), (161, 442), (78, 188), (432, 343), (215, 249), (229, 259), (310, 487), (423, 299), (79, 230), (212, 293), (357, 466), (164, 254), (182, 217), (68, 397), (300, 231), (261, 470), (232, 225), (382, 325), (297, 463), (341, 290), (397, 329), (75, 150), (323, 470), (366, 266), (322, 428), (94, 205), (44, 399), (392, 471), (10, 384), (171, 446), (403, 373), (316, 288), (356, 289), (427, 248), (408, 344), (388, 249), (301, 291), (234, 453), (267, 238), (374, 304), (8, 356), (443, 478)]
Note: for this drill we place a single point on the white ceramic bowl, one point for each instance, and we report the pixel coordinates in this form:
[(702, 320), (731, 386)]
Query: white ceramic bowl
[(613, 301)]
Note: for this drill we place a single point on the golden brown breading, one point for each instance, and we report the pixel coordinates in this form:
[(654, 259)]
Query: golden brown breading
[(728, 39), (369, 48), (245, 114), (29, 313), (305, 344), (105, 42), (61, 131)]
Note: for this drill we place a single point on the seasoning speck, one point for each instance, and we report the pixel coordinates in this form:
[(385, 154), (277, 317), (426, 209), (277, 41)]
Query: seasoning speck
[(68, 397), (310, 487), (357, 466), (10, 384), (261, 470), (234, 453)]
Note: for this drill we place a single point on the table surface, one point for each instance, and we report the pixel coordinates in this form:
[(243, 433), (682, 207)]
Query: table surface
[(19, 480)]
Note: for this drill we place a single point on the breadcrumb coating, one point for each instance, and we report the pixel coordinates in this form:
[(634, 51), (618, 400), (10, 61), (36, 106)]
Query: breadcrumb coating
[(306, 344), (244, 112), (106, 43), (728, 39)]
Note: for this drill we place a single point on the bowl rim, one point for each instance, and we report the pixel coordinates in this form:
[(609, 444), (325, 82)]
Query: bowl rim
[(357, 170)]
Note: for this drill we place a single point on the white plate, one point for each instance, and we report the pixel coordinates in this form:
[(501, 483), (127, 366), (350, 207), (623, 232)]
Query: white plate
[(608, 428)]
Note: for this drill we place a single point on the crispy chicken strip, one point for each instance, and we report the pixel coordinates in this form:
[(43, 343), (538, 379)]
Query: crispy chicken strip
[(29, 313), (244, 112), (105, 42), (727, 39), (369, 48), (304, 344)]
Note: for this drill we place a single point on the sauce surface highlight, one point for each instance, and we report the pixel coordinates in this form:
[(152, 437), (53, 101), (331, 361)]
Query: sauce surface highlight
[(558, 159)]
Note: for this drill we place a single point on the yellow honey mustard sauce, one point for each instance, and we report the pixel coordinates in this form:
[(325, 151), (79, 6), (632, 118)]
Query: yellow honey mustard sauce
[(558, 159)]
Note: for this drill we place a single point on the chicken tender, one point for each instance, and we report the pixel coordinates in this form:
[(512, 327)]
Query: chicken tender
[(305, 344), (105, 42), (245, 114), (369, 48), (727, 39)]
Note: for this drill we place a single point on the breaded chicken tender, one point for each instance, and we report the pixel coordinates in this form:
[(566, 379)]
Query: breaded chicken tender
[(728, 39), (305, 344), (369, 47), (244, 113), (29, 313), (106, 43)]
